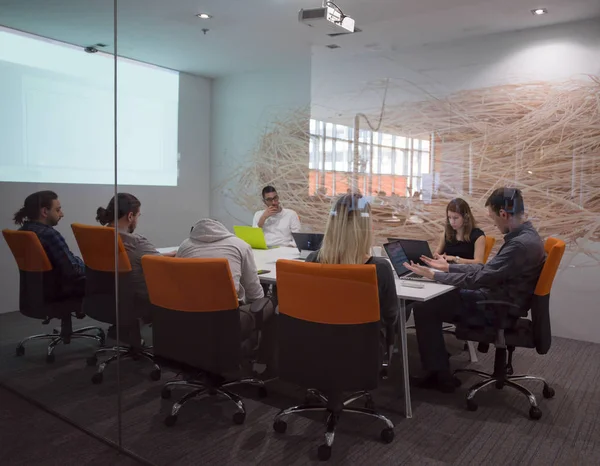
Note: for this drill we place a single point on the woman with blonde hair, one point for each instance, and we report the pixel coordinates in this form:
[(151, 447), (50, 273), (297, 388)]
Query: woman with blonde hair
[(348, 240), (462, 242)]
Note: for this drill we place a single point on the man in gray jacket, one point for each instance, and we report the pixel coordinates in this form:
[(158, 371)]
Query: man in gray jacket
[(510, 276), (210, 239)]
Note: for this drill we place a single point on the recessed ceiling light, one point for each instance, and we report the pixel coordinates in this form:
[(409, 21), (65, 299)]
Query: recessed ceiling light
[(539, 11), (530, 172), (204, 16)]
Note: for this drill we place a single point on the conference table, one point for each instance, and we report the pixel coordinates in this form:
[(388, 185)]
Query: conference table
[(266, 259)]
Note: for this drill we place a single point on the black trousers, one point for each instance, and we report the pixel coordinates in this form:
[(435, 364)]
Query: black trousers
[(457, 306)]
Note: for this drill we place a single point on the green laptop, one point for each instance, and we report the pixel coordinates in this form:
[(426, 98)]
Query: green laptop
[(253, 236)]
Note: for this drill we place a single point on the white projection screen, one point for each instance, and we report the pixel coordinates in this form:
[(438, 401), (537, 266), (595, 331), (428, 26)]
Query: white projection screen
[(57, 116)]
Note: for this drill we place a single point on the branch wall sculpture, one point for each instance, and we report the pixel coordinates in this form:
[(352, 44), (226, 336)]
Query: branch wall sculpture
[(541, 137)]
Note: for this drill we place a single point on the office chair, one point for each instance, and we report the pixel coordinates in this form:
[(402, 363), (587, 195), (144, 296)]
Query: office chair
[(525, 333), (38, 297), (196, 328), (97, 246), (329, 340), (489, 245)]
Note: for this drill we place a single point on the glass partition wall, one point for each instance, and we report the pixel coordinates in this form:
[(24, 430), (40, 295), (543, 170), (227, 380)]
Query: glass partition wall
[(57, 166)]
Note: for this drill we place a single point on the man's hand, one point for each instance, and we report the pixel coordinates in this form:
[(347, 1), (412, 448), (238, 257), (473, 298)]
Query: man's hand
[(420, 270), (269, 211), (439, 263)]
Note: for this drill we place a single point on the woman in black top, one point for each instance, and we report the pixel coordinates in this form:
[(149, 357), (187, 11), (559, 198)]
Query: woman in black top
[(462, 242), (348, 239)]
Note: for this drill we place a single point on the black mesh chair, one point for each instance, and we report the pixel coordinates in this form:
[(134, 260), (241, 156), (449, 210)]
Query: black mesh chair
[(329, 341), (523, 332), (97, 246), (40, 295), (196, 329)]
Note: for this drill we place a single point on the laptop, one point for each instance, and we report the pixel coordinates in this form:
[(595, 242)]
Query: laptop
[(253, 236), (397, 256), (307, 243), (414, 249)]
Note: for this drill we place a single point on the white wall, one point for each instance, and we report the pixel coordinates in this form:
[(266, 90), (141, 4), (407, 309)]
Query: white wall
[(168, 212), (244, 105), (351, 81), (346, 83)]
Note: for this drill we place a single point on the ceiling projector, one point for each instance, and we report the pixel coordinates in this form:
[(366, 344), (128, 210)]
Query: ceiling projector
[(328, 19)]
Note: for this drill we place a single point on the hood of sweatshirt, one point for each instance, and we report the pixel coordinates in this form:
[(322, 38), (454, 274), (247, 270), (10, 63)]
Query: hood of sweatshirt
[(208, 230)]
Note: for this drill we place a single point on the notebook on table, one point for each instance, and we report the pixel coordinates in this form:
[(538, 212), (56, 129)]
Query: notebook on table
[(251, 235), (398, 257)]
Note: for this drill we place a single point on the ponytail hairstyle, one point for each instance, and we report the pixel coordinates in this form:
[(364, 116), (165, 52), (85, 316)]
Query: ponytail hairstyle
[(126, 204), (33, 204)]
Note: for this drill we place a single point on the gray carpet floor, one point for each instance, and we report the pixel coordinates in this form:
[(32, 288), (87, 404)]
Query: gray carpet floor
[(442, 431), (29, 435)]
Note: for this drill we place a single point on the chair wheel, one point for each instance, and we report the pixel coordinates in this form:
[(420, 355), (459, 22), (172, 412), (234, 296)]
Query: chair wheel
[(262, 392), (548, 392), (369, 404), (239, 418), (280, 426), (50, 358), (155, 375), (20, 351), (387, 435), (471, 405), (170, 420), (165, 393), (324, 452), (97, 378), (535, 413), (91, 361)]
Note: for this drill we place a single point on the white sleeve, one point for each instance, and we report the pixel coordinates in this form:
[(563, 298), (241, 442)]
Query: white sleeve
[(256, 219), (249, 279), (295, 223)]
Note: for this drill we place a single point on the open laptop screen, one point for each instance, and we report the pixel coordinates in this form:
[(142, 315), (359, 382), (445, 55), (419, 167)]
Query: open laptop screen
[(397, 256)]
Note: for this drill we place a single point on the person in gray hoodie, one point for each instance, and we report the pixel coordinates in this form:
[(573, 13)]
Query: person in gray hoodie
[(210, 239)]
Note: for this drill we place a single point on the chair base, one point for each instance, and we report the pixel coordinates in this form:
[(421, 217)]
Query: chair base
[(57, 338), (205, 387), (333, 415), (123, 352), (501, 381)]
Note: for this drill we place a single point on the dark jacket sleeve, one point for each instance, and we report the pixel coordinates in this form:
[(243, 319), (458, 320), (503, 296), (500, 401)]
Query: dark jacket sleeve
[(388, 297), (475, 276)]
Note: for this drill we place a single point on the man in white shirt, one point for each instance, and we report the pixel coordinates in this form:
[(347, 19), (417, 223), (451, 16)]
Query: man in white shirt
[(277, 223)]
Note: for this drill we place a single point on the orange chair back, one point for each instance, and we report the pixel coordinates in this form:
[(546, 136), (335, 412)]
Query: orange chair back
[(191, 285), (27, 250), (555, 248), (97, 246), (328, 294), (489, 244)]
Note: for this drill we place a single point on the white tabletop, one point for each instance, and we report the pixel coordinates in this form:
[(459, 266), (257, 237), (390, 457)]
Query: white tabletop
[(267, 258)]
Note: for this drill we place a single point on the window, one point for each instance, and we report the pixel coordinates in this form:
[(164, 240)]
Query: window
[(386, 163)]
